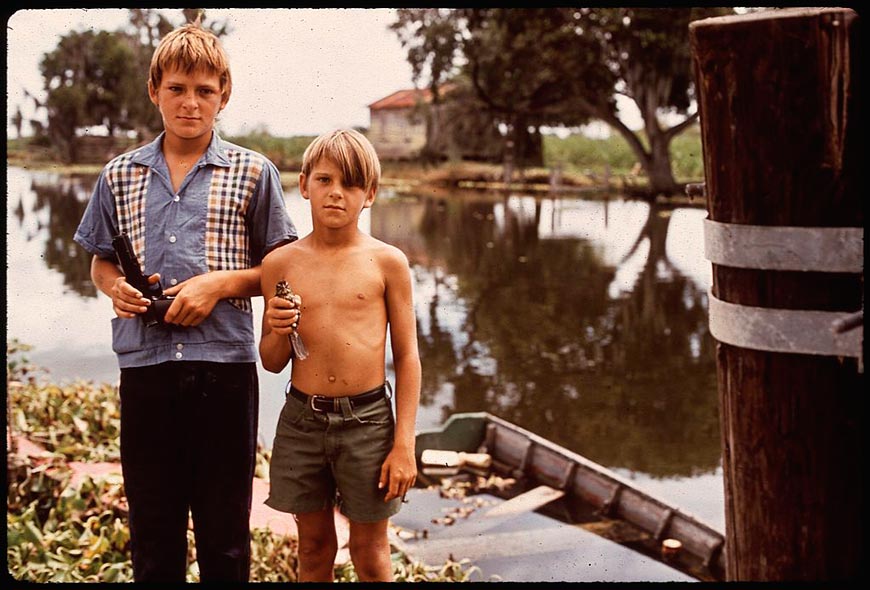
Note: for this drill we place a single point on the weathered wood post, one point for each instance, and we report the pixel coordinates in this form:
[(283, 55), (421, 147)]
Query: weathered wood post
[(778, 94)]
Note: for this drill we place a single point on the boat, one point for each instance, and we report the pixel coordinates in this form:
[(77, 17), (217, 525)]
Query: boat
[(562, 484)]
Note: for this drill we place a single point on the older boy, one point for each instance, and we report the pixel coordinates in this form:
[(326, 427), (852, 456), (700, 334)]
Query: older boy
[(203, 212), (336, 434)]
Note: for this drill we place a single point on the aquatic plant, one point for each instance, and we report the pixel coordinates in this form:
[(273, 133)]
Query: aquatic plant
[(61, 533), (59, 530)]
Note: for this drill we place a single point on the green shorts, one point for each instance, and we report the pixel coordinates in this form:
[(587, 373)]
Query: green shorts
[(322, 459)]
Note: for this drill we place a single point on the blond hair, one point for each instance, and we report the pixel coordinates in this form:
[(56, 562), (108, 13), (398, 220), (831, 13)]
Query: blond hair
[(191, 48), (352, 152)]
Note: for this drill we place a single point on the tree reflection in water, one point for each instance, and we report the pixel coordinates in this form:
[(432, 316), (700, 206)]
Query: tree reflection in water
[(523, 315), (626, 379), (61, 202)]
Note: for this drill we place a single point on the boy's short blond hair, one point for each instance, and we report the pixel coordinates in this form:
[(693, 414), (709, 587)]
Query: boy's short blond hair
[(191, 48), (352, 152)]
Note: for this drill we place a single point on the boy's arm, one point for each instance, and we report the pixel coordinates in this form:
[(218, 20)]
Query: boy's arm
[(270, 226), (196, 297), (400, 468), (95, 233), (275, 349)]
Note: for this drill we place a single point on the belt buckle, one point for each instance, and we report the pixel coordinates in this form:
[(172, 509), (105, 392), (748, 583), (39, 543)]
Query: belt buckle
[(314, 398)]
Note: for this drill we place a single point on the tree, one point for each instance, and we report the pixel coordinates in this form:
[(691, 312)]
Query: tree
[(458, 128), (84, 77), (648, 48), (17, 120), (563, 66), (505, 50), (436, 42), (434, 45), (97, 78)]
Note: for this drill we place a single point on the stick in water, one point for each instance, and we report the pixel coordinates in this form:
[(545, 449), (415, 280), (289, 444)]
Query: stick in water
[(283, 290)]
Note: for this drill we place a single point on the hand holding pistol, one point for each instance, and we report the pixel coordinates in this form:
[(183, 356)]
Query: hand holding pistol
[(135, 277)]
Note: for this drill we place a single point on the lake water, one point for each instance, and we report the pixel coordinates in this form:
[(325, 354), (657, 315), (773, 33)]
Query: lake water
[(583, 320)]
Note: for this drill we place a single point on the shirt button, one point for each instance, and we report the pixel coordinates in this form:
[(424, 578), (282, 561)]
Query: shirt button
[(179, 346), (172, 239), (178, 355), (177, 198), (173, 281)]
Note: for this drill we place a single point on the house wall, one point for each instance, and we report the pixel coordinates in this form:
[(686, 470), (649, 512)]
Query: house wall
[(395, 135)]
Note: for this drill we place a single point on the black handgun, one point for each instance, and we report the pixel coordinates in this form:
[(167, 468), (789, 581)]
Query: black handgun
[(134, 275)]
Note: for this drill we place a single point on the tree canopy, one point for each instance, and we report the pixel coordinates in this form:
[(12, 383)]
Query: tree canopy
[(98, 78), (564, 66)]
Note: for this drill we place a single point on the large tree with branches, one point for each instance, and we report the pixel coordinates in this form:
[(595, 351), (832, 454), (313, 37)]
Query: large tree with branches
[(565, 66)]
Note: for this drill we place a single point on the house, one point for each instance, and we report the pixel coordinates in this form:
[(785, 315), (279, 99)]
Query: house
[(398, 125), (399, 130)]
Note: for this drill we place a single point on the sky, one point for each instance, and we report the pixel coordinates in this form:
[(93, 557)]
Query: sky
[(295, 71)]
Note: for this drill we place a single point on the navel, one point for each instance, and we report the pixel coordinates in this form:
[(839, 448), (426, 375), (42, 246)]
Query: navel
[(331, 378), (360, 296)]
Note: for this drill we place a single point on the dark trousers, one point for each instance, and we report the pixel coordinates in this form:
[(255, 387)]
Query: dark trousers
[(188, 445)]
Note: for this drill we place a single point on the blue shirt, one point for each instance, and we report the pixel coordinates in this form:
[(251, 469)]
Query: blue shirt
[(228, 214)]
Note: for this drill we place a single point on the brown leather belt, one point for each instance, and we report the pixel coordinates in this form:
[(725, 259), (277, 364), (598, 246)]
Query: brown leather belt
[(325, 403)]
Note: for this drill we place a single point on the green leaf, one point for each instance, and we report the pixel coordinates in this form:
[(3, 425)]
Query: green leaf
[(32, 533)]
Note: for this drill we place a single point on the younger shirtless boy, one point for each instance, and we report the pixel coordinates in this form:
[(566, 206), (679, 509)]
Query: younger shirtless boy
[(337, 438)]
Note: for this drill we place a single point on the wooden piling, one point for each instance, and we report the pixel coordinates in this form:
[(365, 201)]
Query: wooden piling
[(778, 94)]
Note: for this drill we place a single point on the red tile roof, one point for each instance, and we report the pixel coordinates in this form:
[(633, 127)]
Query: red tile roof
[(403, 99)]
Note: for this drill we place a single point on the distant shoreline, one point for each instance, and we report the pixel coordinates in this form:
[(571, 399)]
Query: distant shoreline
[(414, 178)]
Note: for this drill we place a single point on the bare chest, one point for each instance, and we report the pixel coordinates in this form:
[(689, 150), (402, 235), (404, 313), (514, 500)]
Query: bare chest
[(347, 286)]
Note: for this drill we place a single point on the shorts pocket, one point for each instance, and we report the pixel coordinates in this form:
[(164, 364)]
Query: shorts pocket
[(379, 412), (293, 412)]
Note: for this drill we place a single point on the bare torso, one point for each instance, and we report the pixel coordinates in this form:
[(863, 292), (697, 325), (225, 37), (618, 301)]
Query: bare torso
[(344, 316)]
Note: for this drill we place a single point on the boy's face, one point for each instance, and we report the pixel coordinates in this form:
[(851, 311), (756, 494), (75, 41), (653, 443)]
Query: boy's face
[(333, 205), (188, 103)]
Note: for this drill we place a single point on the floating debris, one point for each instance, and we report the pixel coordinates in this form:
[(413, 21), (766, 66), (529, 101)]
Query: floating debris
[(466, 488)]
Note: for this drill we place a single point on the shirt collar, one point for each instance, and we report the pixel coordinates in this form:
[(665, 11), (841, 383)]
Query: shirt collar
[(150, 154)]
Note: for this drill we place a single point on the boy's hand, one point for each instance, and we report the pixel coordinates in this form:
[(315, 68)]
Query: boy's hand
[(195, 298), (398, 473), (127, 301), (283, 316)]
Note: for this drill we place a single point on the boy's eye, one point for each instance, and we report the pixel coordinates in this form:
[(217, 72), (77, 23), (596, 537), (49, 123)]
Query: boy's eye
[(207, 91)]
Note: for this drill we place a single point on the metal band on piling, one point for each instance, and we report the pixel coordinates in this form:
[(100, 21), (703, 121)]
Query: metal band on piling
[(818, 249), (783, 330)]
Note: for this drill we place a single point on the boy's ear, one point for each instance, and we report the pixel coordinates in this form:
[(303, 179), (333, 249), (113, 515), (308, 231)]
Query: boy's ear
[(152, 93), (370, 198), (302, 186)]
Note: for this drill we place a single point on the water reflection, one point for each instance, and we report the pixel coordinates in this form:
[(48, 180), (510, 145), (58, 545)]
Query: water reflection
[(583, 321), (57, 208), (568, 318)]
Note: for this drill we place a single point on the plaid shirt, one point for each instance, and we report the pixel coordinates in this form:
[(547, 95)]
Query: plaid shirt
[(227, 214)]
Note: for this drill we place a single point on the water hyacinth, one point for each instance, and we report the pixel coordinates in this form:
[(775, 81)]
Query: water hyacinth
[(81, 538), (57, 531), (80, 421)]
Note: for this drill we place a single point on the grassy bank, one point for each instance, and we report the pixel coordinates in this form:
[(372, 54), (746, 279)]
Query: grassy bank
[(583, 162), (58, 530)]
